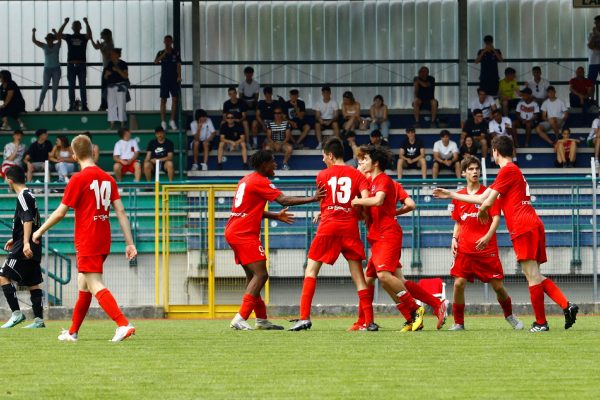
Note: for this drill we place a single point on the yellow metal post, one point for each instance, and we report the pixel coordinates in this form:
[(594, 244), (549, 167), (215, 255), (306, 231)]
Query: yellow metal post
[(211, 251)]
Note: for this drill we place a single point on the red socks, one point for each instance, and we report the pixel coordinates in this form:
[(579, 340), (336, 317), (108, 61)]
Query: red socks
[(555, 293), (361, 315), (458, 312), (423, 295), (248, 304), (308, 292), (406, 305), (110, 307), (260, 308), (506, 306), (536, 293), (365, 303), (80, 310)]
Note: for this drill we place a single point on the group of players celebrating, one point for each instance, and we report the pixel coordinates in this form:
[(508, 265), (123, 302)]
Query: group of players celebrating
[(348, 195)]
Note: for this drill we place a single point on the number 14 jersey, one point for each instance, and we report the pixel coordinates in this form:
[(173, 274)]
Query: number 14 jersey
[(90, 193)]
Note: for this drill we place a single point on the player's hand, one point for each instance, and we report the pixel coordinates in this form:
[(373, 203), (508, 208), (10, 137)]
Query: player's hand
[(9, 244), (130, 251), (454, 247), (354, 202), (27, 251), (67, 19), (85, 19), (316, 218), (320, 193), (482, 243), (483, 216), (441, 193), (36, 236), (285, 216)]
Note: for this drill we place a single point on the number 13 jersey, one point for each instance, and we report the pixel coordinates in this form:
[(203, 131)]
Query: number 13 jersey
[(90, 193)]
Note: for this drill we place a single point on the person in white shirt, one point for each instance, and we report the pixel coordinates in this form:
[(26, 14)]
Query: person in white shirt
[(528, 112), (483, 102), (204, 132), (592, 138), (502, 126), (326, 115), (593, 43), (538, 85), (13, 152), (445, 155), (249, 89), (126, 154), (554, 116)]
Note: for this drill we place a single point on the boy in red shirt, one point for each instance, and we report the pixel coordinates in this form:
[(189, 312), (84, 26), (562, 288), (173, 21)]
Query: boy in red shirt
[(243, 234), (475, 249), (90, 193), (526, 231)]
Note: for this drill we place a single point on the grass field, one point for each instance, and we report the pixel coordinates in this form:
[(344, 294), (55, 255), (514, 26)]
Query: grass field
[(207, 360)]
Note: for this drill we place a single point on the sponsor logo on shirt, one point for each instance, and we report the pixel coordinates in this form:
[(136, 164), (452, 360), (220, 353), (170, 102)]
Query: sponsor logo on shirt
[(101, 217), (467, 215), (340, 208), (242, 214)]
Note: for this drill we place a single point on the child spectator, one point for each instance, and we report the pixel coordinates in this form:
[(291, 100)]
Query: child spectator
[(13, 152), (204, 132), (528, 113), (445, 155), (62, 156), (231, 135), (508, 90), (379, 116), (126, 154), (37, 153), (566, 150)]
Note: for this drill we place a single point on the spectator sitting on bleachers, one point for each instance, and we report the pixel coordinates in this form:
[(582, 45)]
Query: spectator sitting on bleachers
[(469, 147), (249, 89), (62, 156), (296, 110), (13, 103), (424, 96), (412, 154), (554, 116), (566, 150), (485, 103), (279, 137), (326, 115), (528, 113), (445, 155), (159, 149), (508, 91), (350, 112), (538, 85), (231, 135), (477, 128), (489, 57), (592, 138), (204, 132), (95, 148), (376, 139), (126, 154), (502, 126), (379, 116), (13, 152), (37, 153), (350, 149), (239, 109), (581, 90), (264, 115)]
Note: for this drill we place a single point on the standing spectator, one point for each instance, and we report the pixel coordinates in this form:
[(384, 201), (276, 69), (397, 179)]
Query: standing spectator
[(554, 116), (160, 149), (117, 84), (593, 43), (528, 113), (37, 153), (424, 95), (13, 152), (469, 147), (508, 91), (105, 47), (502, 126), (376, 139), (95, 148), (279, 137), (62, 156), (231, 135), (350, 112), (170, 80), (296, 110), (581, 90), (538, 85), (445, 155), (239, 109), (412, 154), (379, 116), (126, 154), (13, 103), (326, 115), (76, 60), (484, 103), (204, 132), (566, 150), (51, 67), (478, 129), (489, 57), (264, 115), (249, 89)]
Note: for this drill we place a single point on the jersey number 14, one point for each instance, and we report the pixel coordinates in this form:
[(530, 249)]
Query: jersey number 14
[(102, 192)]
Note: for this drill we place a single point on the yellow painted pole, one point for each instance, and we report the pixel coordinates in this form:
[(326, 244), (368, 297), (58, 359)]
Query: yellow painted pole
[(211, 251)]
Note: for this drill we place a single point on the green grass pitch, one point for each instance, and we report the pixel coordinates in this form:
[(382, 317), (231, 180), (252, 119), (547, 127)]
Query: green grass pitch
[(207, 360)]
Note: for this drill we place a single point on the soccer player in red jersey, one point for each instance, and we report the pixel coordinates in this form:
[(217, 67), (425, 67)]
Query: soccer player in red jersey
[(90, 193), (337, 233), (385, 235), (526, 230), (243, 234), (475, 249)]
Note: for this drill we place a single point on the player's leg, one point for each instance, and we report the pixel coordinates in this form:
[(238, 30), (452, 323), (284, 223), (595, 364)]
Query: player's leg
[(82, 305), (458, 304), (260, 309), (405, 303), (531, 269), (308, 292), (37, 305), (256, 277), (365, 295), (7, 274), (506, 303), (438, 306)]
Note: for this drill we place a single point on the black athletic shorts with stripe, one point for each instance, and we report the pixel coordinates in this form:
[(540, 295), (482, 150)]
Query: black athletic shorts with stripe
[(25, 272)]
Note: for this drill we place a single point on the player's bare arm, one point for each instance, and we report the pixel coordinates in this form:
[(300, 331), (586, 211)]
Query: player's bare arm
[(288, 201), (482, 214), (27, 227), (482, 243), (455, 236), (52, 220), (408, 206), (374, 201), (441, 193), (130, 250), (284, 216)]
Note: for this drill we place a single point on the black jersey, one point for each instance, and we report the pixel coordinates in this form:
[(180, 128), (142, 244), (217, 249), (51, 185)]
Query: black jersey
[(26, 211)]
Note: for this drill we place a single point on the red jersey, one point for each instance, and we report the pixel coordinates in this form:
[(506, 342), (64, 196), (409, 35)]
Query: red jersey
[(515, 202), (471, 230), (252, 193), (401, 194), (90, 193), (382, 221)]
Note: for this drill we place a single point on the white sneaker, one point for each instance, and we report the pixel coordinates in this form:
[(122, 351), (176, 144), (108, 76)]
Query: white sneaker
[(285, 167), (265, 324), (203, 167), (65, 336), (514, 322), (163, 125), (457, 327), (16, 318), (5, 127), (240, 323), (123, 332), (194, 167), (319, 147), (172, 125)]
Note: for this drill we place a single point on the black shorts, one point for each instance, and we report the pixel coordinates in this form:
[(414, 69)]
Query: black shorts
[(406, 165), (426, 104), (25, 272), (444, 166), (169, 89), (299, 122)]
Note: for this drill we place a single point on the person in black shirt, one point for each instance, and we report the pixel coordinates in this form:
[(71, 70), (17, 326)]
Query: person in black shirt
[(477, 128), (469, 147), (159, 149), (37, 153), (264, 114), (170, 80), (412, 154), (238, 108), (116, 76), (13, 103), (424, 93), (489, 57), (76, 60), (22, 264), (231, 134), (296, 109)]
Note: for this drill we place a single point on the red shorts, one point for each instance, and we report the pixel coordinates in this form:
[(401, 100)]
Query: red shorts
[(385, 256), (481, 266), (531, 245), (91, 264), (248, 252), (128, 168), (327, 248)]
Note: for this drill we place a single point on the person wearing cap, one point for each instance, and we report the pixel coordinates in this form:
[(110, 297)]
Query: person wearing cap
[(160, 149), (51, 67), (105, 47), (593, 44), (264, 115), (581, 90), (412, 154), (326, 115), (296, 110), (445, 155), (37, 153), (528, 113), (13, 152), (554, 116), (249, 89), (489, 57), (204, 132)]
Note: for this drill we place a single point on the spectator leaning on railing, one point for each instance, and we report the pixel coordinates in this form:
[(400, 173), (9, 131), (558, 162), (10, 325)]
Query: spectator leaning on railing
[(37, 153)]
